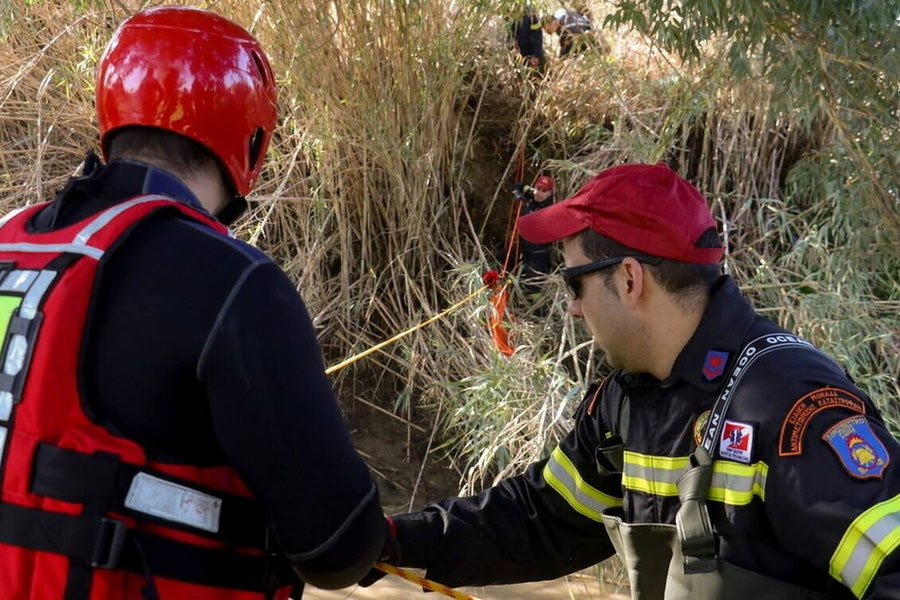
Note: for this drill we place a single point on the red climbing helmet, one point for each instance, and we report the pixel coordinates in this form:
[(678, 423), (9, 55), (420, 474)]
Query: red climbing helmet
[(544, 183), (191, 72)]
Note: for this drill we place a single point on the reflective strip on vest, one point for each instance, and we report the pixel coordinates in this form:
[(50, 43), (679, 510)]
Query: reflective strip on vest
[(101, 221), (560, 473), (53, 248), (871, 538), (732, 483), (21, 292), (80, 245)]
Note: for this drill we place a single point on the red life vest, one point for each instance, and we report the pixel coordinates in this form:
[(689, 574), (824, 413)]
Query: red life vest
[(84, 515)]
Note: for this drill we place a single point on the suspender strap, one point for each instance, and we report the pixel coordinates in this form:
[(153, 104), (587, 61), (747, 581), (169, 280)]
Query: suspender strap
[(695, 532), (73, 476), (108, 543), (756, 348)]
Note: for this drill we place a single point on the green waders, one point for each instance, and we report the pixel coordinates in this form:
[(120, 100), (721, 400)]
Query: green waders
[(679, 562)]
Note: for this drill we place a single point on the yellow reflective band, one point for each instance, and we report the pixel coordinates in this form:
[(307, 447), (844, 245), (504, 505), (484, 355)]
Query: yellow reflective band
[(732, 483), (737, 484), (562, 476), (665, 463), (871, 538), (655, 475), (8, 305)]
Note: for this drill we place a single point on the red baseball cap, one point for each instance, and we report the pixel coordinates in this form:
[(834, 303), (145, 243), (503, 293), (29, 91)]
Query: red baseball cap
[(544, 183), (646, 207)]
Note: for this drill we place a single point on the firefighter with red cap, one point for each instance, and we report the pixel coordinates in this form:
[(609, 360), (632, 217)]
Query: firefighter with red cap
[(535, 257), (723, 458), (166, 425)]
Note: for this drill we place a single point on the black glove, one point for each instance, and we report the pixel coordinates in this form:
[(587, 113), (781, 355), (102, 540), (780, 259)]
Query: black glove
[(390, 554), (523, 193)]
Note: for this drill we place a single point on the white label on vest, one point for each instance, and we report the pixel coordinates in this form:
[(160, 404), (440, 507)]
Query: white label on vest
[(166, 500)]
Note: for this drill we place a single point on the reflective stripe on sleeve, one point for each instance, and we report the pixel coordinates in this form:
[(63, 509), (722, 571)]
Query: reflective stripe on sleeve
[(732, 483), (871, 538), (736, 484), (560, 473)]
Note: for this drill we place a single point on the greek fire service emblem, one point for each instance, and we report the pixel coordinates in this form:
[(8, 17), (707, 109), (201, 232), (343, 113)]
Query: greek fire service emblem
[(860, 451)]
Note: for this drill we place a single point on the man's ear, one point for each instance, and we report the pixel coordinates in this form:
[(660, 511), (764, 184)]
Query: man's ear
[(632, 280)]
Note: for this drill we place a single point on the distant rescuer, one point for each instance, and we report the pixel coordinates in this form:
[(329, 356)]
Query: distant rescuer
[(723, 457), (530, 38), (167, 426), (535, 257)]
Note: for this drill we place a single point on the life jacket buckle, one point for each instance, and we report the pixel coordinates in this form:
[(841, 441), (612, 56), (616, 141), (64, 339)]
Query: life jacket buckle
[(109, 543)]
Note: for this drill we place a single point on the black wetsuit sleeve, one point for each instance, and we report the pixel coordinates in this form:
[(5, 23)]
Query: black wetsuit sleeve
[(539, 525), (277, 421)]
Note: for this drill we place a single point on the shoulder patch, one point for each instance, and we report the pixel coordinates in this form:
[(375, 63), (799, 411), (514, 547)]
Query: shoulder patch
[(714, 365), (860, 451), (736, 442), (700, 426), (790, 443)]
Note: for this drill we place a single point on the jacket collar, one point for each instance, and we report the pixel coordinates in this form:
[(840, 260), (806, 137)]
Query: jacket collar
[(101, 186), (135, 178), (707, 357)]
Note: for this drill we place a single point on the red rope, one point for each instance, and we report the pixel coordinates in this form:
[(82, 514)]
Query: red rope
[(512, 248)]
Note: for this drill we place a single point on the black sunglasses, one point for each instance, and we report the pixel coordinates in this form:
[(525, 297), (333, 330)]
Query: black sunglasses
[(572, 275)]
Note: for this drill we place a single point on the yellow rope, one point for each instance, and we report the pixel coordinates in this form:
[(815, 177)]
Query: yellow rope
[(402, 334), (425, 583)]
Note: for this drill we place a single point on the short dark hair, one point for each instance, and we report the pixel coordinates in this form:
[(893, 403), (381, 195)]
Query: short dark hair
[(173, 152), (676, 277)]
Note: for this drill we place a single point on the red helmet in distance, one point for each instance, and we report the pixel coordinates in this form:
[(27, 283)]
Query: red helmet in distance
[(194, 73), (544, 183)]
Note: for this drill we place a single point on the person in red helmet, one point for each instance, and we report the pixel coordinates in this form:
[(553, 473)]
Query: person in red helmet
[(535, 257), (166, 425)]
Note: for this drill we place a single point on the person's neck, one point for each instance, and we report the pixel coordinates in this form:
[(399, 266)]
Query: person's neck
[(209, 189), (671, 329)]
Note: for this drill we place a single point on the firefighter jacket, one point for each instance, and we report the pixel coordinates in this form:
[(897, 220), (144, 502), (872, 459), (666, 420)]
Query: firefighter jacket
[(84, 514), (805, 486)]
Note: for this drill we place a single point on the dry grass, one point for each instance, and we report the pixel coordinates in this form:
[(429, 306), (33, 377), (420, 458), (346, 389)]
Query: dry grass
[(387, 191)]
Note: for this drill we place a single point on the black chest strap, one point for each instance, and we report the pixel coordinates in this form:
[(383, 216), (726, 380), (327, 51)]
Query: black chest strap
[(101, 479), (105, 543), (101, 483)]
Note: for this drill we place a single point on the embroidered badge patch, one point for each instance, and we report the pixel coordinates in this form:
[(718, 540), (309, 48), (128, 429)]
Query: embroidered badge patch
[(860, 451), (700, 425), (714, 365), (736, 442), (790, 443)]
